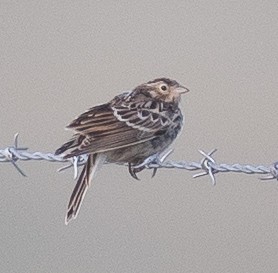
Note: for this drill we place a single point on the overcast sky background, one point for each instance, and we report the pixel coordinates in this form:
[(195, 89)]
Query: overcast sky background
[(58, 58)]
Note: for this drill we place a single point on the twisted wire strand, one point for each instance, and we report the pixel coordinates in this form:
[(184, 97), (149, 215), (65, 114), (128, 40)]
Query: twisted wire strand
[(207, 164)]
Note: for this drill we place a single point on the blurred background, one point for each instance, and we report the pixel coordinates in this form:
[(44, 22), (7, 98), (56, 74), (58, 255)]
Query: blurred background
[(58, 58)]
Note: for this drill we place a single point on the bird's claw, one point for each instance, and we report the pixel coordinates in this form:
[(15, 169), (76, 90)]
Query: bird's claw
[(159, 159), (154, 159), (133, 170), (154, 172)]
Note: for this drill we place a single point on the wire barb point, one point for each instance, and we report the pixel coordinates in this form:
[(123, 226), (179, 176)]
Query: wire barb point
[(74, 162), (10, 153), (205, 163), (273, 172)]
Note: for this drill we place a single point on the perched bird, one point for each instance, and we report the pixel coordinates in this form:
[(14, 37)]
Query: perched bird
[(130, 128)]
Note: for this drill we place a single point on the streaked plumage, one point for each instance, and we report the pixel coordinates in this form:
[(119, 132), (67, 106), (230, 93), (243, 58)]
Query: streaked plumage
[(130, 128)]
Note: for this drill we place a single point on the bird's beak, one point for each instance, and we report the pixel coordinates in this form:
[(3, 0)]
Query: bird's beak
[(181, 89)]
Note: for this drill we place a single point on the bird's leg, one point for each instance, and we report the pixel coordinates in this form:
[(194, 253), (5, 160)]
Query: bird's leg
[(153, 159), (159, 159)]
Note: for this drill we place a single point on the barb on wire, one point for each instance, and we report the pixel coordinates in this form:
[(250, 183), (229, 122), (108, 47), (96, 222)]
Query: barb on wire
[(13, 154), (273, 172), (10, 154), (206, 166), (75, 162)]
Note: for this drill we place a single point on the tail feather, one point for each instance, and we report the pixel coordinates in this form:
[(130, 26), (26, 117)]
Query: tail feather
[(84, 180)]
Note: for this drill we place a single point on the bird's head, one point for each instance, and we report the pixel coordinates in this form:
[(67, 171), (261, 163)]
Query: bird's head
[(164, 89)]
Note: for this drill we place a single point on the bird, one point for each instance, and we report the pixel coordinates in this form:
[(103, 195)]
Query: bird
[(130, 128)]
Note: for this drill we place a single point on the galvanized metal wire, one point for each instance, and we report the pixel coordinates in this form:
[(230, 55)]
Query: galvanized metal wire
[(207, 164)]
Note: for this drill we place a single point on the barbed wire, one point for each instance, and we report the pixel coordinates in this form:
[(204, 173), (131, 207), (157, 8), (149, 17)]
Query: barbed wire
[(207, 164)]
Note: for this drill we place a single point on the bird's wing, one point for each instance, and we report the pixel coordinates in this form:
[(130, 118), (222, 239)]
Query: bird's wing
[(116, 125)]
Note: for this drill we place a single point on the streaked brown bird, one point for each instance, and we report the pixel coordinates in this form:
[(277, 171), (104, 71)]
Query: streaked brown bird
[(130, 128)]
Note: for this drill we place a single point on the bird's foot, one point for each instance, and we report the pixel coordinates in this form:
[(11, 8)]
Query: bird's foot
[(133, 170)]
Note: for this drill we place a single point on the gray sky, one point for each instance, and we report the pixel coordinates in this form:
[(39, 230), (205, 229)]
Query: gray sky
[(58, 58)]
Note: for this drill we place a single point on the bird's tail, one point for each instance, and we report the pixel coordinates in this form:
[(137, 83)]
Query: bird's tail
[(93, 163)]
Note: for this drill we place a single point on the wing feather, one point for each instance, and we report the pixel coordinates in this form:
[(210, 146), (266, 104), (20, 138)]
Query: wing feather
[(113, 126)]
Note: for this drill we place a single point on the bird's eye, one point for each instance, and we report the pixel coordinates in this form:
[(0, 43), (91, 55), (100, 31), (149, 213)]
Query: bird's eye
[(163, 87)]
